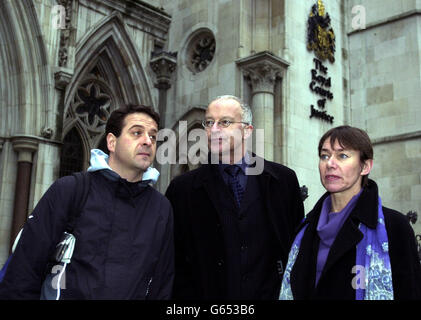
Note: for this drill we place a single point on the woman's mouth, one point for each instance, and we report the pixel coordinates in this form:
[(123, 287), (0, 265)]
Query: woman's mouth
[(332, 177)]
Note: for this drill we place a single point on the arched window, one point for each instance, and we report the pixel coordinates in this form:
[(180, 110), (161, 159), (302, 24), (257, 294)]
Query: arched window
[(71, 158)]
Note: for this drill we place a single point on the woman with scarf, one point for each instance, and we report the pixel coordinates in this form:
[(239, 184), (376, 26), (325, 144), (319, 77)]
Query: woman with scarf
[(349, 246)]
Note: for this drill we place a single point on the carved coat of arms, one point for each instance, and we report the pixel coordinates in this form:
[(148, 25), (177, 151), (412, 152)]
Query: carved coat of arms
[(320, 35)]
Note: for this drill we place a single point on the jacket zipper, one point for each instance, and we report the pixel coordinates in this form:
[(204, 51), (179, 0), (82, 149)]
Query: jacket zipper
[(147, 288)]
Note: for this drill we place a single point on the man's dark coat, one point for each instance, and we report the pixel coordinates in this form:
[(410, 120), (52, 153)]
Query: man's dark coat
[(124, 243), (199, 242)]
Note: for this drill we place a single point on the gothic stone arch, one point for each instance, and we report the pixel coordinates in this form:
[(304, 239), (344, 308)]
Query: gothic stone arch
[(108, 74)]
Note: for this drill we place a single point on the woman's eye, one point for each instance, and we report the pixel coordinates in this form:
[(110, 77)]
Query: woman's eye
[(343, 156), (324, 156)]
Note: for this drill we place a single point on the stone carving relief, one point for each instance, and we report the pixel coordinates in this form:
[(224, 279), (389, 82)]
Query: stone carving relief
[(91, 103), (200, 51), (262, 76), (65, 33), (163, 64)]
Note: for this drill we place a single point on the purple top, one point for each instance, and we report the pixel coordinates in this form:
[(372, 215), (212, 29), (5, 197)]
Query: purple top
[(328, 227)]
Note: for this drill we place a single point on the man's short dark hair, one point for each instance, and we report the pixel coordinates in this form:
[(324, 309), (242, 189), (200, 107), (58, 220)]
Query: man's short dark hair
[(115, 122)]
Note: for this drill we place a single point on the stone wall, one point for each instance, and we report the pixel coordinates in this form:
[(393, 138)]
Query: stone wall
[(385, 92)]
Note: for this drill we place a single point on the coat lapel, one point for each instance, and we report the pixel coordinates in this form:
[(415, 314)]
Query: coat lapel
[(346, 240), (349, 236), (275, 206), (303, 273), (249, 196), (212, 182)]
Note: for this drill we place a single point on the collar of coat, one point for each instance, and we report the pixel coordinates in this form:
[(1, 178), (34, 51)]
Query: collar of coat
[(207, 172), (365, 210)]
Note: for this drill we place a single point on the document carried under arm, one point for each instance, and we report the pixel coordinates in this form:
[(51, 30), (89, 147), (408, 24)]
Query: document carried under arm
[(64, 249)]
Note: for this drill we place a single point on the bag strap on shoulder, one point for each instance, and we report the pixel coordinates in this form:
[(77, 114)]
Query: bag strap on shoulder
[(80, 195)]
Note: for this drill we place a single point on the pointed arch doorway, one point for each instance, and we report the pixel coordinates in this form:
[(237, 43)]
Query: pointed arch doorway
[(108, 74)]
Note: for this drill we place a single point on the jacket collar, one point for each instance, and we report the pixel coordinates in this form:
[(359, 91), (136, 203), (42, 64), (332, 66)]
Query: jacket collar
[(99, 162), (207, 171), (365, 210)]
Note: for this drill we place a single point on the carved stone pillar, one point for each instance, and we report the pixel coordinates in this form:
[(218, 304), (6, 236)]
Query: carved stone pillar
[(24, 146), (262, 70), (163, 64)]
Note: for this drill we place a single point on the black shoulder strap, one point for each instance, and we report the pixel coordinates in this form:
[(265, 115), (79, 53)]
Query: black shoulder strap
[(80, 195)]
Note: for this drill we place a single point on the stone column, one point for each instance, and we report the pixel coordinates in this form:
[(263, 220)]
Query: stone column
[(262, 70), (24, 146), (163, 64)]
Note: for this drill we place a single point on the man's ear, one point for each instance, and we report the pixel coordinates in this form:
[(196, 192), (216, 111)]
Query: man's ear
[(248, 130), (111, 141), (367, 166)]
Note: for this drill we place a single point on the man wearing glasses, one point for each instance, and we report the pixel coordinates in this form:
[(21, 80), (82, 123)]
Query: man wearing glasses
[(232, 229)]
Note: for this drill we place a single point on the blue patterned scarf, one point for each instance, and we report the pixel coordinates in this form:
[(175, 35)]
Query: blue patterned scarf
[(374, 280)]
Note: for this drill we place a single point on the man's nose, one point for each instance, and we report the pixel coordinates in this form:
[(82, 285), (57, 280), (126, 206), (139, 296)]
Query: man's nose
[(147, 140), (215, 126)]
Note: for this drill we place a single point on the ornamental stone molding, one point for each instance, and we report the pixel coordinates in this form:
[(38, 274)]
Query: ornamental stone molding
[(262, 70), (163, 64), (262, 76), (65, 33), (24, 146), (62, 79), (47, 132), (152, 20)]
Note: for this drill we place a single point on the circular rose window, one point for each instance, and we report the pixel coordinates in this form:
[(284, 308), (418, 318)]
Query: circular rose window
[(200, 51)]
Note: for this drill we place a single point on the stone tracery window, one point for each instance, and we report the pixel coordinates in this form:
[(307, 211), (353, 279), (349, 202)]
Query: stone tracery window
[(200, 51), (89, 108), (92, 104)]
